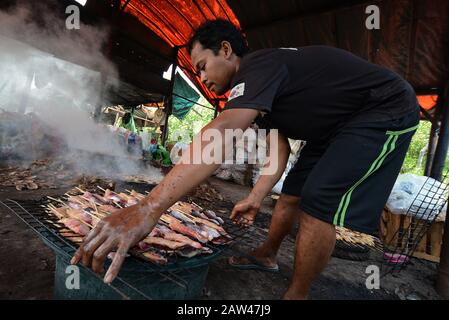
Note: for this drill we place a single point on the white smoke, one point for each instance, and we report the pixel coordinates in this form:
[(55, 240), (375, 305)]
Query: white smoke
[(62, 94)]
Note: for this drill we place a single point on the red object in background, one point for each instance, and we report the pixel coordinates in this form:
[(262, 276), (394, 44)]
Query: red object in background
[(427, 102), (174, 21)]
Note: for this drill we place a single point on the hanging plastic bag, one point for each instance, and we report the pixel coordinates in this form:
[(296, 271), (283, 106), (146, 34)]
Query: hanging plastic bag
[(420, 196)]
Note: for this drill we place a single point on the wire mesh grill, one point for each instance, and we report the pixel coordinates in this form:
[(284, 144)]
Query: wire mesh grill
[(50, 230), (421, 214), (136, 267)]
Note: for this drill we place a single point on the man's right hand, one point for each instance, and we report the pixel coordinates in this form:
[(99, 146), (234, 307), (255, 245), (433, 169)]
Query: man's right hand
[(245, 211), (120, 230)]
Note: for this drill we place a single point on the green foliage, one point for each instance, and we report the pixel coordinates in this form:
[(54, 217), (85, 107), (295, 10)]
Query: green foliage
[(419, 142), (197, 118)]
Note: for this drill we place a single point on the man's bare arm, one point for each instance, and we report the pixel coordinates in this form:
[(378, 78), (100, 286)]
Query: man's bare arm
[(124, 228), (278, 158)]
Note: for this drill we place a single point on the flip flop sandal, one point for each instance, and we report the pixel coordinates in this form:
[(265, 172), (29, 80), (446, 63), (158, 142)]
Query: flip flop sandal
[(253, 266), (395, 258)]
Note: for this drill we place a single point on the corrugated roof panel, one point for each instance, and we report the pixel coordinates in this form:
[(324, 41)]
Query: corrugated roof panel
[(175, 21)]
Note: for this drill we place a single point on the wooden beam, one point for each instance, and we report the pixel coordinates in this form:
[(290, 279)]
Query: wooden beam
[(442, 283)]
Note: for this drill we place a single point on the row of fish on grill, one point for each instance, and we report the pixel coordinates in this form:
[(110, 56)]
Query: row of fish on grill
[(185, 229)]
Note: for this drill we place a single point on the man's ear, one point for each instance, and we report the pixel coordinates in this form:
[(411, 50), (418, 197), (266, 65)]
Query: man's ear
[(227, 49)]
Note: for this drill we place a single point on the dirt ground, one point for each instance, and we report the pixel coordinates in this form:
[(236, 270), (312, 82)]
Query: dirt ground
[(27, 264)]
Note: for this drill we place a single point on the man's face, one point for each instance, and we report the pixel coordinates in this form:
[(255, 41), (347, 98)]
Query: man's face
[(216, 71)]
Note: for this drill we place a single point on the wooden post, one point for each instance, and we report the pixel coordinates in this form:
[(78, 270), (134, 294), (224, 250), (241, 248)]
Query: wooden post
[(442, 284), (434, 133), (216, 106), (169, 104), (117, 116), (443, 139)]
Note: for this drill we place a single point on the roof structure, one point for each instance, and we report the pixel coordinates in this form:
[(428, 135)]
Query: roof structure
[(146, 36), (413, 38)]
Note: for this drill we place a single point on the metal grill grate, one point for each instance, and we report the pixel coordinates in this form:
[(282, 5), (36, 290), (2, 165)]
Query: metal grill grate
[(136, 267)]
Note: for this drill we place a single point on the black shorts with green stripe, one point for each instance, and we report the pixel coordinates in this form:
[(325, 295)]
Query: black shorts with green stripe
[(348, 182)]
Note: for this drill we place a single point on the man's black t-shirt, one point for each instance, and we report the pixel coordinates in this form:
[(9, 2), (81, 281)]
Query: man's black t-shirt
[(308, 93)]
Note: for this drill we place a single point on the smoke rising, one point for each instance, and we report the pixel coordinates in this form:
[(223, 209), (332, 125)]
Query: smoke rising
[(61, 94)]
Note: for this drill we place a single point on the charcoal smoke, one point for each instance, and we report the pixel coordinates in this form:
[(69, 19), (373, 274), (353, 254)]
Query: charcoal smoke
[(47, 102)]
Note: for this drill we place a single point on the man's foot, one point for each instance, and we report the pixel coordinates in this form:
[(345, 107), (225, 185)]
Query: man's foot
[(255, 261)]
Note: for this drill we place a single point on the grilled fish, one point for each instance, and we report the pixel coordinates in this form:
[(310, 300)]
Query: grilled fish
[(183, 239), (114, 197), (79, 214), (155, 257), (157, 241), (188, 231), (59, 212), (181, 216), (213, 216), (76, 226), (137, 195)]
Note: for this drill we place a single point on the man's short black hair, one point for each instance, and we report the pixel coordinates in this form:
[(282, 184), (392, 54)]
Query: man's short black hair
[(211, 33)]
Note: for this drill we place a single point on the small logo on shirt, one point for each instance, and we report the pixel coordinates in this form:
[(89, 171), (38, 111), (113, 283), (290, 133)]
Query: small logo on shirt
[(237, 91)]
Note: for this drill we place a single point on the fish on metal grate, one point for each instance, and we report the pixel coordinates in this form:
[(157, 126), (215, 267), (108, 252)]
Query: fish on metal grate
[(185, 230)]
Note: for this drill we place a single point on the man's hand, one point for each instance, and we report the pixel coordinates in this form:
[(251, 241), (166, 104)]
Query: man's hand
[(121, 230), (245, 211), (126, 227)]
